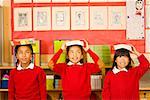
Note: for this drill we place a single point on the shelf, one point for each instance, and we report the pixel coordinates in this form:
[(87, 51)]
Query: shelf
[(12, 67), (53, 90)]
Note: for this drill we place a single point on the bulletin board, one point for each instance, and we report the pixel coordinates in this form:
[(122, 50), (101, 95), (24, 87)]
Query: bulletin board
[(100, 22)]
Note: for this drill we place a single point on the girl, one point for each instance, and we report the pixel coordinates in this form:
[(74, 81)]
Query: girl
[(75, 73), (27, 81), (122, 82)]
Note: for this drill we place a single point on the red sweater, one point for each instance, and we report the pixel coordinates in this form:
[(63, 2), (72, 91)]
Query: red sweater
[(76, 78), (28, 84), (124, 85)]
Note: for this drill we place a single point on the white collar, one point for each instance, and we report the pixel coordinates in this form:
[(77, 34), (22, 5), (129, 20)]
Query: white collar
[(116, 70), (71, 63), (31, 66)]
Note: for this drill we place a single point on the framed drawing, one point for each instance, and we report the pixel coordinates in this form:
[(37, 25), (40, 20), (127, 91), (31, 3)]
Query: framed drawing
[(148, 16), (79, 18), (147, 2), (60, 18), (41, 1), (42, 18), (147, 41), (117, 17), (79, 0), (60, 0), (22, 1), (98, 18), (135, 20), (22, 19), (98, 0)]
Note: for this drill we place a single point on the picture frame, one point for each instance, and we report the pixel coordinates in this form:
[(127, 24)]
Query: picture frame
[(117, 17), (60, 18), (148, 16), (41, 1), (79, 18), (98, 18), (147, 2), (22, 1), (60, 1), (22, 19), (147, 41), (42, 18)]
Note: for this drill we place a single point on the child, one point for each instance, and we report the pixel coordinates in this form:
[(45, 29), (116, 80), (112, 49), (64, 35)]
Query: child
[(27, 81), (75, 73), (122, 82)]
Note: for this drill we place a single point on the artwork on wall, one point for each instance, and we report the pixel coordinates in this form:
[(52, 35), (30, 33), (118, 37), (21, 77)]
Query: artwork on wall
[(41, 1), (135, 19), (117, 17), (42, 18), (98, 18), (148, 16), (60, 0), (60, 18), (22, 1), (22, 19), (147, 1), (147, 41), (79, 18), (79, 0)]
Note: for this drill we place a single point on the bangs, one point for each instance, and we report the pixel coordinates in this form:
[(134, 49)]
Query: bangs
[(122, 52)]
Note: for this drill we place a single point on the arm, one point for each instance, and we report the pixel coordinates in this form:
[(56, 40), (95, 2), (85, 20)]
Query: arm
[(95, 58), (144, 63), (53, 61), (42, 84), (11, 87), (106, 88)]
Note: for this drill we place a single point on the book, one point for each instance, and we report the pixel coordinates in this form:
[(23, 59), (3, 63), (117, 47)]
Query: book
[(123, 46), (49, 82), (74, 42)]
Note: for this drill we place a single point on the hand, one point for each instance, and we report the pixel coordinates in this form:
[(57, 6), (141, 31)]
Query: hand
[(134, 51), (63, 46), (85, 46)]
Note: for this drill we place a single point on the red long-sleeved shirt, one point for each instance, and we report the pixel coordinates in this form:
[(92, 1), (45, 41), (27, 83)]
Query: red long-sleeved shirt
[(76, 78), (124, 85), (28, 84)]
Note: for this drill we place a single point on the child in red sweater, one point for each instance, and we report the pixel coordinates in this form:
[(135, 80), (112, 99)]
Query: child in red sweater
[(122, 82), (27, 81), (75, 73)]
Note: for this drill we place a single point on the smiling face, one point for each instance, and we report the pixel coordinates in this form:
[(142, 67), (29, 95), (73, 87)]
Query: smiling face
[(24, 55), (75, 54), (122, 61)]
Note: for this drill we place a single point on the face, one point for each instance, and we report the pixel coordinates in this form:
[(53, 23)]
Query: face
[(122, 61), (75, 54), (24, 55)]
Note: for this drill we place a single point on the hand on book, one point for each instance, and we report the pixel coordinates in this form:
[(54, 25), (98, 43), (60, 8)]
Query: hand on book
[(134, 51), (85, 46)]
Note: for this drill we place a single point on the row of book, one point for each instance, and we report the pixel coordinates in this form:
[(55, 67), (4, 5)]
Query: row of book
[(55, 82)]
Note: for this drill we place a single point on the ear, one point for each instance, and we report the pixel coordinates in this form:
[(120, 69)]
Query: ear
[(82, 57)]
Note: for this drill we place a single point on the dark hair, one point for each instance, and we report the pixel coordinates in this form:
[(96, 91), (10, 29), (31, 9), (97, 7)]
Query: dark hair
[(122, 52), (18, 46), (83, 60)]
